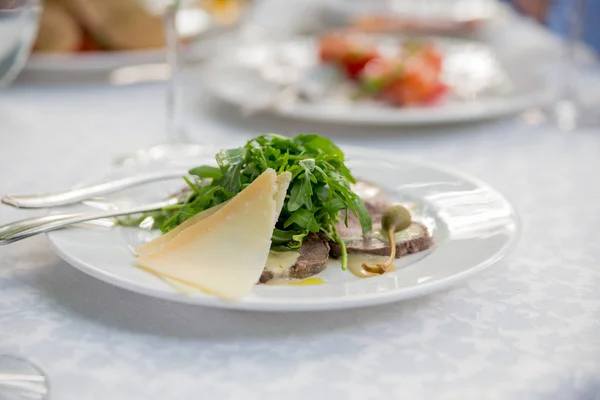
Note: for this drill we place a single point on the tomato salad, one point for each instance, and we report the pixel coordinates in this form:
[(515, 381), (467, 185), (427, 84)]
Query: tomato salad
[(413, 77)]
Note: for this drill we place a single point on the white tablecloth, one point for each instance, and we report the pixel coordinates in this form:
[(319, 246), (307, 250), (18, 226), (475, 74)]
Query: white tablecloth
[(526, 329)]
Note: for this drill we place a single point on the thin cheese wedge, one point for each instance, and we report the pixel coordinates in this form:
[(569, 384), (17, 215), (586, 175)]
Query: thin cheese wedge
[(164, 239), (277, 263), (182, 287), (283, 181), (179, 286), (224, 253)]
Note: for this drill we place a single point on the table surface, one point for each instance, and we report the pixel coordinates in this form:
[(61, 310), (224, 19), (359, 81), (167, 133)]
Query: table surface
[(528, 328)]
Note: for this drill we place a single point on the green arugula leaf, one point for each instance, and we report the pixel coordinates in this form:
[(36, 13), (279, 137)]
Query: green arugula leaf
[(322, 193), (232, 180), (319, 144), (229, 157), (334, 205), (301, 217), (282, 237), (296, 196), (362, 214), (205, 171)]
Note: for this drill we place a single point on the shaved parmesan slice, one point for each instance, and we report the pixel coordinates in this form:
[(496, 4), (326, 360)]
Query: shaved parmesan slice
[(182, 287), (225, 253), (283, 181), (162, 240), (278, 263)]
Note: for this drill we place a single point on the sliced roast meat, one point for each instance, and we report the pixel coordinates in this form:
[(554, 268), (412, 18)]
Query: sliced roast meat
[(313, 258), (315, 251), (414, 239), (371, 194), (354, 230), (375, 207)]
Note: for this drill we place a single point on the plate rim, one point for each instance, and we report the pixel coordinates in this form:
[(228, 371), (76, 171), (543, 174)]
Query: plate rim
[(92, 61), (331, 303)]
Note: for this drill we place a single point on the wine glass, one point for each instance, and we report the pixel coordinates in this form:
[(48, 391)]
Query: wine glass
[(18, 27), (215, 16), (19, 378)]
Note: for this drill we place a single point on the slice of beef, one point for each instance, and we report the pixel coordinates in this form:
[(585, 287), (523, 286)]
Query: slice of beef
[(418, 240), (415, 239), (372, 194), (314, 254), (354, 230)]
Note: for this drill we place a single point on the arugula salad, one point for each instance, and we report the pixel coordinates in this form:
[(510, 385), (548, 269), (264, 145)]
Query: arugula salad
[(318, 192)]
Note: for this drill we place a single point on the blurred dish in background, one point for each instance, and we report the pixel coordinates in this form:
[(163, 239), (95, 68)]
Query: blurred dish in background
[(93, 35), (288, 78), (437, 17), (409, 75)]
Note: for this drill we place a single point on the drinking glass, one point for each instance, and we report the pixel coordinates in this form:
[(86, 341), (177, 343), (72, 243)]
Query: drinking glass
[(19, 378), (216, 16), (18, 26)]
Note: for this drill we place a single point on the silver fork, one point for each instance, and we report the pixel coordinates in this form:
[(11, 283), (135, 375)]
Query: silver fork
[(77, 195), (25, 228)]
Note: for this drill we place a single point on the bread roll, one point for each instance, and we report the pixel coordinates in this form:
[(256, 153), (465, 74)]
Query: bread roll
[(119, 24), (58, 31)]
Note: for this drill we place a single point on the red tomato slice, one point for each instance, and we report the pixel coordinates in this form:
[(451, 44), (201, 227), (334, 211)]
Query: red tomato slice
[(332, 48), (417, 86), (438, 93), (432, 55), (420, 83), (424, 51), (350, 55), (379, 73), (354, 61)]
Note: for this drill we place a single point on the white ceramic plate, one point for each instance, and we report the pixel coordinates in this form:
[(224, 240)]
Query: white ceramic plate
[(474, 226), (483, 86)]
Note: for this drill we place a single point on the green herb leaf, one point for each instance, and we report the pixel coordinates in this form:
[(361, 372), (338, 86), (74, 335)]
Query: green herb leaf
[(334, 205), (362, 214), (301, 217), (282, 237), (232, 180), (320, 145), (225, 158), (205, 171)]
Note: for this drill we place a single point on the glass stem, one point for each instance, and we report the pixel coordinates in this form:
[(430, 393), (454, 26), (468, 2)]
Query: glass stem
[(175, 131)]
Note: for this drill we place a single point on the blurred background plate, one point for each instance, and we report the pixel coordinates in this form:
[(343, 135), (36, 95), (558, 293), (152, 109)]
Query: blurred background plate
[(103, 35), (482, 84)]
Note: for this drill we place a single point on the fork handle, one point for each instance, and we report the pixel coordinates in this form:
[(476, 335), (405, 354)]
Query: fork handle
[(25, 228), (77, 195)]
